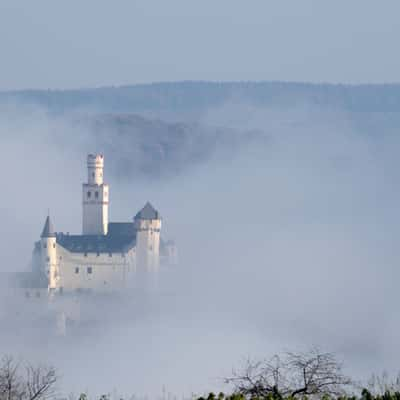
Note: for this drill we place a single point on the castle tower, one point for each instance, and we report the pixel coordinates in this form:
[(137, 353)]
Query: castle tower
[(48, 252), (95, 196), (148, 227)]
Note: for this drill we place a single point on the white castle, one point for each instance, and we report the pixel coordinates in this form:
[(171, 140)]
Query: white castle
[(107, 256)]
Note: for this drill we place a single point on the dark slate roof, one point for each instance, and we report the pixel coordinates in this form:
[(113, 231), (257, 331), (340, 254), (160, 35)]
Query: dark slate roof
[(148, 212), (121, 237), (48, 230), (121, 229)]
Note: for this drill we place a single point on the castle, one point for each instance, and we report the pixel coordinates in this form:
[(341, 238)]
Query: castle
[(107, 256)]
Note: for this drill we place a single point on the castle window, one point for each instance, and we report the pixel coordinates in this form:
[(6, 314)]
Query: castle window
[(77, 270), (92, 174), (47, 259), (109, 254), (45, 246), (54, 245), (96, 194), (85, 254), (89, 270), (89, 194), (150, 248), (98, 254)]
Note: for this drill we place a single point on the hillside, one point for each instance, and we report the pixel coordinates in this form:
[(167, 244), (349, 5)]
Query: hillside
[(199, 96), (162, 129), (155, 148)]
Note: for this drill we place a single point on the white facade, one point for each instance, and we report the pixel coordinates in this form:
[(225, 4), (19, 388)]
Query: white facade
[(106, 272), (95, 198), (107, 256), (148, 243), (49, 261)]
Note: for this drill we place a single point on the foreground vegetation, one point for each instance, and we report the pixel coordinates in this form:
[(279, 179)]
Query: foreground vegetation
[(365, 395), (289, 376)]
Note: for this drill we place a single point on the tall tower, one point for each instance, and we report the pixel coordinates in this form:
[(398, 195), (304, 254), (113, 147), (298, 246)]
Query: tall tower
[(148, 227), (48, 251), (95, 196)]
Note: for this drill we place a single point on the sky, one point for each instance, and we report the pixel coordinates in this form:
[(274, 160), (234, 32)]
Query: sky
[(73, 44)]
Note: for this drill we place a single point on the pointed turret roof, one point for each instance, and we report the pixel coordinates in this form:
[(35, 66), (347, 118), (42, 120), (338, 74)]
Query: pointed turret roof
[(48, 230), (148, 212)]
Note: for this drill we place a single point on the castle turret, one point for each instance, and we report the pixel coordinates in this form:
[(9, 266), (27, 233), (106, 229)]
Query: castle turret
[(148, 227), (95, 197), (48, 243)]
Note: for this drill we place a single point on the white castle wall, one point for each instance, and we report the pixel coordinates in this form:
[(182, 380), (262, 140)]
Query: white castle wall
[(50, 260), (103, 272), (95, 198), (148, 244)]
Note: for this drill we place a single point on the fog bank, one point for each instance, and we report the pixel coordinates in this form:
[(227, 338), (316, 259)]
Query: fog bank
[(288, 242)]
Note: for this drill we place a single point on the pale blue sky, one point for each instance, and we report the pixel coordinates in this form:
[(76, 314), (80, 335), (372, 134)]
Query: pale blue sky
[(82, 43)]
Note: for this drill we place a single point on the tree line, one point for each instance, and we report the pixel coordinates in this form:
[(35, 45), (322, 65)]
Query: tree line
[(288, 376)]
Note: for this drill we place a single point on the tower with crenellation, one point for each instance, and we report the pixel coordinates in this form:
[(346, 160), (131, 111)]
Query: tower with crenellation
[(95, 198)]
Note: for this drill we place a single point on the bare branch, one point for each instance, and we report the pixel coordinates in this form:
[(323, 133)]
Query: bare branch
[(29, 383), (40, 382), (294, 374)]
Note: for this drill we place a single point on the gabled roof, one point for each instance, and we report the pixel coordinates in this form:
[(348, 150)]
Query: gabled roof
[(148, 212), (121, 237), (48, 230)]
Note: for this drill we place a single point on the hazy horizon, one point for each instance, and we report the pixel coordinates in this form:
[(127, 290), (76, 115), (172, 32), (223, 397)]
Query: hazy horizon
[(201, 81)]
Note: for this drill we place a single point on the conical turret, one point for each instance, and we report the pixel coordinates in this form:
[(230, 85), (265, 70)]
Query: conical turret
[(49, 253), (48, 230)]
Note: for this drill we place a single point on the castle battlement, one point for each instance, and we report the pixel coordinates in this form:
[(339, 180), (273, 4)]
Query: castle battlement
[(107, 256)]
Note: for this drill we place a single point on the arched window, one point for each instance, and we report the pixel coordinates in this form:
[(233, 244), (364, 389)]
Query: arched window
[(88, 195)]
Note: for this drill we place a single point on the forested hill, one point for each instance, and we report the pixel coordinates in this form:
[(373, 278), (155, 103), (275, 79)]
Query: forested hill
[(165, 128), (198, 96)]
